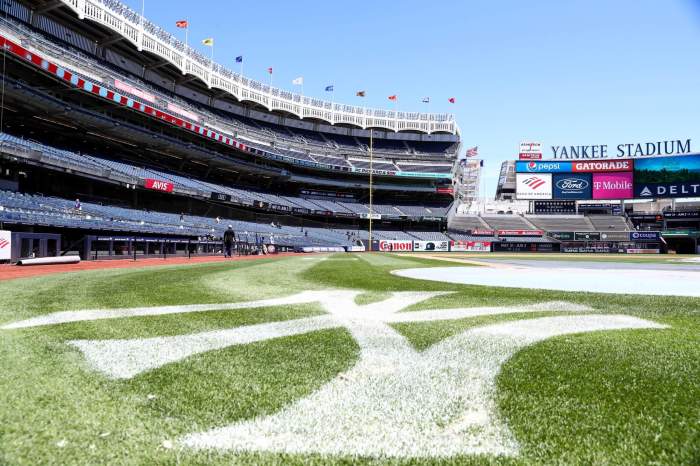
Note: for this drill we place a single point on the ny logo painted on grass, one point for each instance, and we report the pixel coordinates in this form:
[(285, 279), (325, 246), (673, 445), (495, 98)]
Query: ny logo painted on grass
[(395, 401)]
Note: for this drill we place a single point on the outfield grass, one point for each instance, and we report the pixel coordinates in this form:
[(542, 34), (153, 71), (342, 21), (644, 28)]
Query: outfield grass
[(615, 397)]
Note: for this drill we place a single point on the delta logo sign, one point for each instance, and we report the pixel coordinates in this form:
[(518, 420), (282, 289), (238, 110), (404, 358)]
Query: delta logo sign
[(534, 186), (658, 190)]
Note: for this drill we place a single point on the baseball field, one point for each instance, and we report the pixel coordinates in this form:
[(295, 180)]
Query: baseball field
[(339, 359)]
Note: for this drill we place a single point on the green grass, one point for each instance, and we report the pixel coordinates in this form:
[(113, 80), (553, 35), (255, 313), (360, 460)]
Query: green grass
[(622, 397)]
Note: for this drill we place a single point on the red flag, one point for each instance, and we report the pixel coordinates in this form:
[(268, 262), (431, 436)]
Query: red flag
[(473, 152), (451, 100), (269, 70), (182, 23), (393, 97)]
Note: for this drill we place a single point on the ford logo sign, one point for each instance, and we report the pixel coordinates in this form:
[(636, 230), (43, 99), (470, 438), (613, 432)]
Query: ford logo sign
[(572, 183)]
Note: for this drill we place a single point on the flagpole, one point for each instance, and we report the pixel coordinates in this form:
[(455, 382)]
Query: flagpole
[(187, 30), (371, 159)]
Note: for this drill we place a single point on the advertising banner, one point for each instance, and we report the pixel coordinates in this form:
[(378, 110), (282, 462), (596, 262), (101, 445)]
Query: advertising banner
[(667, 177), (158, 185), (530, 151), (5, 245), (542, 167), (645, 236), (395, 245), (430, 246), (220, 197), (654, 190), (586, 236), (479, 232), (122, 86), (572, 186), (181, 111), (520, 232), (562, 235), (642, 251), (603, 166), (529, 186), (612, 185), (470, 246)]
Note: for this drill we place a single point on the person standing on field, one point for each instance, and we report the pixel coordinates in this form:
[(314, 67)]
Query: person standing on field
[(229, 238)]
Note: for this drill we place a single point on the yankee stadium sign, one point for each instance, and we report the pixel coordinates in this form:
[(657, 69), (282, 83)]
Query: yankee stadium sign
[(601, 151)]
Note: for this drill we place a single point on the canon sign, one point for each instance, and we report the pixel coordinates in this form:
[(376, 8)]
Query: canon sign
[(395, 245)]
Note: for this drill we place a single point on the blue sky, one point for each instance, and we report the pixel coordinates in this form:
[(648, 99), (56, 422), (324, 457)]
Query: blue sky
[(559, 72)]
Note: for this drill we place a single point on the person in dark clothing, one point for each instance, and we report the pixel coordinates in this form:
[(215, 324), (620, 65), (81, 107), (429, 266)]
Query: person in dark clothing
[(229, 238)]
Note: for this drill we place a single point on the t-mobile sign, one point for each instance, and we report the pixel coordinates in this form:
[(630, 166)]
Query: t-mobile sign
[(612, 185)]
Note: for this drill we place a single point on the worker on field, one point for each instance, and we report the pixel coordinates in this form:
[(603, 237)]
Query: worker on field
[(229, 238)]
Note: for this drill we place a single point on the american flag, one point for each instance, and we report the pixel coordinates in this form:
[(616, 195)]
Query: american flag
[(473, 152)]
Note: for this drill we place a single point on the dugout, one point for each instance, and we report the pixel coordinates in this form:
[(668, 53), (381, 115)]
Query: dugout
[(30, 245)]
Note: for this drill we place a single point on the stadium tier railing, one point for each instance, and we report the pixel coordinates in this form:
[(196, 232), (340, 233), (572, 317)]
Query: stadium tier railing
[(146, 36), (284, 149)]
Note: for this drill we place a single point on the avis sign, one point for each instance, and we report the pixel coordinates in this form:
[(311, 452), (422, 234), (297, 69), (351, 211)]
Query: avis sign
[(158, 185)]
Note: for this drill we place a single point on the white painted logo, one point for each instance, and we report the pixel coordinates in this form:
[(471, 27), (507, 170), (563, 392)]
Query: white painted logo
[(395, 401)]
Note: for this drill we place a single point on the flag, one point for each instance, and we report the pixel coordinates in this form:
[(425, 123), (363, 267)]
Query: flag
[(182, 23), (208, 42), (451, 100), (481, 163), (298, 81), (329, 88), (393, 97), (360, 93), (426, 100), (239, 59), (473, 152), (269, 70)]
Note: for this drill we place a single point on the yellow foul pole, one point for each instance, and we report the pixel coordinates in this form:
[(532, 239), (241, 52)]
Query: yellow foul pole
[(370, 187)]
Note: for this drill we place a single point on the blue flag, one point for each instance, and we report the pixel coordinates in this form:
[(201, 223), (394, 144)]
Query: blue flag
[(239, 59), (329, 88)]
